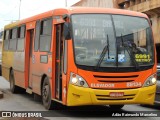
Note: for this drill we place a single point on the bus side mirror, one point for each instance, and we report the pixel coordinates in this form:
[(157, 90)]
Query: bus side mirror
[(66, 32)]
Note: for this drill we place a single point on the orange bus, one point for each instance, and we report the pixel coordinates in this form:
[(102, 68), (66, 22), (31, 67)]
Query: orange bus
[(82, 56)]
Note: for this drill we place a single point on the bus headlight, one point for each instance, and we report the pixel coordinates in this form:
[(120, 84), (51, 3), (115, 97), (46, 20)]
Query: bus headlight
[(151, 80), (77, 80)]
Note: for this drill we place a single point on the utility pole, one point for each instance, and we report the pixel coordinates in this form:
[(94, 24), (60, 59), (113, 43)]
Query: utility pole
[(66, 3), (20, 10)]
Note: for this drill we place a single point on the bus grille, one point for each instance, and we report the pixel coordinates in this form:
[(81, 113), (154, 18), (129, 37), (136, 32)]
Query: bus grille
[(131, 76), (107, 97), (116, 79)]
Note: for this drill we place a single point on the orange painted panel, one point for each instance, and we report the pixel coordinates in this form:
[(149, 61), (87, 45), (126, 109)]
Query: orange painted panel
[(30, 25), (36, 84), (19, 78)]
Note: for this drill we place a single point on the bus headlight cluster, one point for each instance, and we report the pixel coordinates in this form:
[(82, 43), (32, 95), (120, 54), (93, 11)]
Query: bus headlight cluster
[(77, 80), (151, 80)]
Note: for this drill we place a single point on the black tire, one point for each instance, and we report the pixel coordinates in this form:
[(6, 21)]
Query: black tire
[(13, 87), (116, 107), (46, 94), (37, 97)]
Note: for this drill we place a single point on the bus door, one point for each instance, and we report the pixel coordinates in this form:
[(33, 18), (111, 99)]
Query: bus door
[(30, 28), (58, 63), (31, 58)]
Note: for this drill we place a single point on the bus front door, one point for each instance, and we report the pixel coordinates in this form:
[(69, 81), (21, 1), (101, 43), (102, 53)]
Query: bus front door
[(31, 59), (58, 65)]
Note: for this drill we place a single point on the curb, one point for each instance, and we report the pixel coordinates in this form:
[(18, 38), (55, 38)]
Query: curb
[(1, 95)]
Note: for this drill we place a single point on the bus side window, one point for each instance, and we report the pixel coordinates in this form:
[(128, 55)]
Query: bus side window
[(13, 39), (45, 35), (21, 37), (6, 39), (36, 41)]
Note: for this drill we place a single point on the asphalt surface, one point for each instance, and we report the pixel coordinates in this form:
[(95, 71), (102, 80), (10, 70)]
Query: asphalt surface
[(26, 102)]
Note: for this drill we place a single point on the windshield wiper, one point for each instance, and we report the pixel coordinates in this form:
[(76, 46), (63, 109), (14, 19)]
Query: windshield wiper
[(105, 49), (130, 54)]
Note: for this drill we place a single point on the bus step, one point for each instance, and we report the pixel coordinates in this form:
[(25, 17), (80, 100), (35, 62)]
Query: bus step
[(29, 90)]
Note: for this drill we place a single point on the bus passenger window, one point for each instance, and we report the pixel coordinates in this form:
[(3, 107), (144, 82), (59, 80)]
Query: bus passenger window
[(36, 41), (10, 34), (6, 39), (45, 36), (13, 39), (21, 36)]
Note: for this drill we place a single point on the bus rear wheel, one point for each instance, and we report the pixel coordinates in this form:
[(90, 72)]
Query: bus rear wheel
[(116, 107), (46, 94), (13, 87)]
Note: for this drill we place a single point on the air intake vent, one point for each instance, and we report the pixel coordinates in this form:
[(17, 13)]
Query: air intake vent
[(114, 99), (107, 97), (131, 76), (119, 81), (116, 81)]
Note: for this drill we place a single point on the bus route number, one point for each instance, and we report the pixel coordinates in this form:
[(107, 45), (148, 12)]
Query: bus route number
[(134, 84)]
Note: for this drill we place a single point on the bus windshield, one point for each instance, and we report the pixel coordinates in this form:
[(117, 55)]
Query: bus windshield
[(104, 40)]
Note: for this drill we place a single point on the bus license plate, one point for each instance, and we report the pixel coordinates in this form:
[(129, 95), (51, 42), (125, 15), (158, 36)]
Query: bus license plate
[(116, 94)]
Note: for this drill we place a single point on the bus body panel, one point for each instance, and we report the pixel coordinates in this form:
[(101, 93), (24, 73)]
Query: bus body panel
[(7, 63), (84, 10), (134, 95), (115, 80), (37, 67), (78, 96)]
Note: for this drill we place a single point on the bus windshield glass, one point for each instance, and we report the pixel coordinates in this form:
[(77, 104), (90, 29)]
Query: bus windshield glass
[(105, 40)]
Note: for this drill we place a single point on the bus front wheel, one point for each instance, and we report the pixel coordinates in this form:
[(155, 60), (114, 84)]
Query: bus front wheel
[(116, 107), (46, 94), (13, 87)]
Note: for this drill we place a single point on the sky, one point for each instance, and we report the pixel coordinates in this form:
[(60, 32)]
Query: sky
[(9, 9)]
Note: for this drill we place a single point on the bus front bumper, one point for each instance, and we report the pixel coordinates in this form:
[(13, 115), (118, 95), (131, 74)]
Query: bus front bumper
[(78, 96)]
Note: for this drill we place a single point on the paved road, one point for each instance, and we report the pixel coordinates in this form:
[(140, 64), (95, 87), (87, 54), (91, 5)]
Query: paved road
[(25, 102)]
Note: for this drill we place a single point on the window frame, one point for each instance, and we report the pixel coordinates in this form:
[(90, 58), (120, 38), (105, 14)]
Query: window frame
[(21, 38), (41, 28), (4, 39), (14, 39), (37, 35), (42, 35)]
